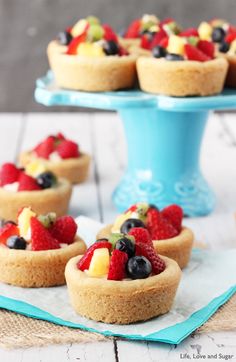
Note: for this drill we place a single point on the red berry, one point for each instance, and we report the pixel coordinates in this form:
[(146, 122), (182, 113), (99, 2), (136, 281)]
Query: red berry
[(194, 53), (84, 262), (75, 42), (141, 235), (158, 226), (207, 47), (132, 208), (68, 149), (9, 173), (122, 51), (41, 239), (189, 32), (64, 229), (145, 42), (230, 37), (133, 30), (117, 268), (60, 136), (174, 214), (147, 250), (28, 183), (45, 148), (109, 33), (158, 37), (166, 21), (8, 230)]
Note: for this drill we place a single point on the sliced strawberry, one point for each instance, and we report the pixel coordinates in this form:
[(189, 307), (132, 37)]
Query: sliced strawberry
[(45, 148), (117, 268), (41, 239), (189, 32), (64, 229), (84, 262), (133, 30), (60, 136), (132, 208), (109, 33), (9, 229), (145, 42), (164, 42), (147, 250), (27, 183), (68, 149), (166, 21), (75, 42), (207, 47), (158, 37), (141, 235), (9, 173), (122, 51), (193, 53), (174, 214), (159, 227), (230, 37)]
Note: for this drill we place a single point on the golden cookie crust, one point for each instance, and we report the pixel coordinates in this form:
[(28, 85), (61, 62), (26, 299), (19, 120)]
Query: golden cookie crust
[(231, 74), (181, 78), (178, 248), (122, 302), (35, 269), (55, 199), (73, 169), (91, 74)]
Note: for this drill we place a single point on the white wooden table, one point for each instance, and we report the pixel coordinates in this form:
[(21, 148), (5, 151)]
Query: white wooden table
[(102, 136)]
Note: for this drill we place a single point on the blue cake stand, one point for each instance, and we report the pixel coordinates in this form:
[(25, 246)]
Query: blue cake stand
[(164, 136)]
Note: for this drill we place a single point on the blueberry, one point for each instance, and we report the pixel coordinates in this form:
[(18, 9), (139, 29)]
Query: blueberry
[(139, 267), (223, 47), (16, 242), (218, 35), (111, 47), (172, 56), (158, 52), (126, 245), (64, 38), (46, 180), (131, 223)]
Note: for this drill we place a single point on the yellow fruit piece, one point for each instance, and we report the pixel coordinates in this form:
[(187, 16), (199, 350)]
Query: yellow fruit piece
[(35, 168), (119, 221), (176, 44), (232, 49), (205, 31), (99, 264), (24, 222), (90, 50), (79, 27)]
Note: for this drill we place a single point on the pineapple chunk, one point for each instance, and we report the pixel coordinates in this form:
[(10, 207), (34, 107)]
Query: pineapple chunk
[(79, 27), (120, 220), (176, 44), (35, 168), (24, 222), (99, 265), (205, 31), (90, 50)]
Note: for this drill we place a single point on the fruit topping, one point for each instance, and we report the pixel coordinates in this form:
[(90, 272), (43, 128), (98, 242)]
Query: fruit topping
[(35, 168), (158, 51), (95, 32), (68, 149), (133, 30), (194, 53), (99, 264), (205, 31), (126, 245), (48, 220), (75, 42), (174, 214), (64, 229), (131, 223), (223, 47), (141, 235), (41, 239), (7, 231), (117, 268), (173, 57), (218, 35), (189, 32), (139, 267), (147, 250), (176, 45), (16, 242), (84, 262), (45, 148), (206, 47), (110, 47), (46, 180), (64, 37), (28, 183), (9, 174), (158, 226), (24, 218)]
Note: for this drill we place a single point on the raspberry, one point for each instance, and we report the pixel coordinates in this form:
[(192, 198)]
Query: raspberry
[(194, 53), (133, 30), (141, 235), (68, 149), (207, 48), (75, 42), (158, 226), (27, 183), (117, 268), (64, 229), (9, 173), (174, 214), (84, 262), (45, 148), (8, 230), (41, 239), (147, 250), (189, 32)]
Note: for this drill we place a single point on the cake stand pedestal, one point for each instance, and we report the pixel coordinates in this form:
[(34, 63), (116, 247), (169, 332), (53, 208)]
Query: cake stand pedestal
[(164, 136)]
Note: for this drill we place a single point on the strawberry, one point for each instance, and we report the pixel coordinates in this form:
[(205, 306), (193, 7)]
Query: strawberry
[(166, 21), (27, 183), (9, 173), (60, 136), (68, 149), (75, 42), (145, 42), (158, 37), (189, 32), (109, 33), (230, 37), (45, 148), (147, 250), (158, 226), (122, 51), (84, 262), (132, 208), (117, 268), (174, 214), (141, 235), (133, 30), (41, 239), (194, 53), (207, 47), (9, 229), (64, 229)]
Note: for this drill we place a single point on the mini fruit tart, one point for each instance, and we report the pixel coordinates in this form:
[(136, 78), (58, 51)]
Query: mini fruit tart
[(88, 57), (185, 65), (59, 155), (169, 237), (223, 34), (41, 190), (122, 280), (34, 251)]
